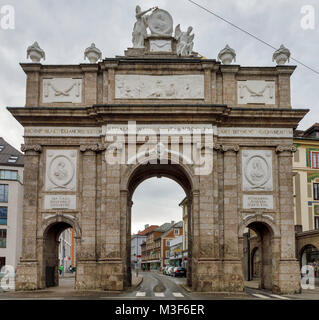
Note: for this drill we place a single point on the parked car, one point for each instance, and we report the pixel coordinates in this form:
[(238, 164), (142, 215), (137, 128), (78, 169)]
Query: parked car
[(170, 271), (165, 270), (179, 272)]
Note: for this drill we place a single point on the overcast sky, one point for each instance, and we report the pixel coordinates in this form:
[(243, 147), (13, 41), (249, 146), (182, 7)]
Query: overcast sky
[(64, 28)]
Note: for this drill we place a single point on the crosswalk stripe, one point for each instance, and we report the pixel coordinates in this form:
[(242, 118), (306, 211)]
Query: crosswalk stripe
[(140, 294), (279, 297), (159, 294), (260, 296), (178, 295)]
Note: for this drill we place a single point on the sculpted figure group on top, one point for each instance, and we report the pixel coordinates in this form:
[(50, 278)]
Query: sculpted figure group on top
[(160, 23)]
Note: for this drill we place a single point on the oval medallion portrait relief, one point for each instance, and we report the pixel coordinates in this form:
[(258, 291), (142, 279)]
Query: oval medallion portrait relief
[(257, 171), (61, 171)]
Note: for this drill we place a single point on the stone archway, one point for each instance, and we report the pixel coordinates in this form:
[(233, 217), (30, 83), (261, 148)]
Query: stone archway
[(307, 254), (133, 177), (51, 231), (266, 244)]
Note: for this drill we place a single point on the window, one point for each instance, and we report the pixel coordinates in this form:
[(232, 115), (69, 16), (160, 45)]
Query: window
[(316, 191), (4, 192), (2, 262), (317, 223), (315, 160), (3, 238), (167, 243), (167, 253), (3, 215), (1, 147), (8, 175), (13, 159), (176, 231)]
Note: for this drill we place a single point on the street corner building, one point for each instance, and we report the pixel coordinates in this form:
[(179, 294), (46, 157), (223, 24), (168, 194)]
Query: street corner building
[(160, 81)]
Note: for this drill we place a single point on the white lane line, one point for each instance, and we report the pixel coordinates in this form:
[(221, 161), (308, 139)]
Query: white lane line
[(178, 295), (159, 294), (279, 297), (140, 294), (260, 296)]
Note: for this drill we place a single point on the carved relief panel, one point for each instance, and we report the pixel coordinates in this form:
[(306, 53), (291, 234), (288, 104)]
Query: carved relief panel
[(257, 170), (256, 91), (160, 46), (62, 90), (61, 170), (159, 87)]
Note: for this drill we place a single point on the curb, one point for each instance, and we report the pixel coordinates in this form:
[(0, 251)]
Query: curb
[(215, 293)]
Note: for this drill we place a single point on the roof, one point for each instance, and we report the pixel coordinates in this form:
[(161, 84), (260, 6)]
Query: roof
[(148, 230), (164, 227), (7, 151), (167, 227), (311, 133)]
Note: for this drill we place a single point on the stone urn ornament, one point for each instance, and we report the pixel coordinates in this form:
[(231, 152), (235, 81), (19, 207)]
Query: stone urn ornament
[(227, 55), (35, 53), (281, 56), (92, 53)]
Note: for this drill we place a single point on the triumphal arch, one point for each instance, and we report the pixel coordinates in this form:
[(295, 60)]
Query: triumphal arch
[(94, 131)]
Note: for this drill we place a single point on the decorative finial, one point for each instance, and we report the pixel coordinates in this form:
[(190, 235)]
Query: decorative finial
[(92, 53), (35, 53), (227, 55), (281, 55)]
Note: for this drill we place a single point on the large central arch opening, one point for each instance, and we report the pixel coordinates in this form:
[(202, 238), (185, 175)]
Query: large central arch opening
[(161, 236)]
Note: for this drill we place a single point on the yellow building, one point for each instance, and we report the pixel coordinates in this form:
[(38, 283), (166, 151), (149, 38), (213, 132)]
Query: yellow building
[(306, 194)]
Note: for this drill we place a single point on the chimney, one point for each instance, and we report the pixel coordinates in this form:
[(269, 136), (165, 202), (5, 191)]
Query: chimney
[(146, 226), (172, 222)]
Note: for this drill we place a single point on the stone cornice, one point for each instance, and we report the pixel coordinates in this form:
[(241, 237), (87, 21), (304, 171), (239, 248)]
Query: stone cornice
[(191, 113), (286, 148), (29, 147)]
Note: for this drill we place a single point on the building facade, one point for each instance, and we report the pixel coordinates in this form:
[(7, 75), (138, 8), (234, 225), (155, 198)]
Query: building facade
[(175, 230), (77, 176), (66, 249), (176, 252), (306, 195), (136, 252), (11, 200)]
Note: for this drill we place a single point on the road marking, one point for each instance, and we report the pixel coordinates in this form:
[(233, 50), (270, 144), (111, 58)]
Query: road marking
[(178, 295), (159, 294), (279, 297), (260, 296), (140, 294)]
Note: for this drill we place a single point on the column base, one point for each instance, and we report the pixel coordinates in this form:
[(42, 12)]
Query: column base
[(86, 276), (289, 281), (27, 276), (111, 275), (217, 275)]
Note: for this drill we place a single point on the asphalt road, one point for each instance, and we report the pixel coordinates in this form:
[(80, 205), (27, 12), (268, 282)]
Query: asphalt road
[(158, 286), (155, 286)]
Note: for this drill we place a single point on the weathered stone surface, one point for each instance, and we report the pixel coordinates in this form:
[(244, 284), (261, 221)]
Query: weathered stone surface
[(103, 192)]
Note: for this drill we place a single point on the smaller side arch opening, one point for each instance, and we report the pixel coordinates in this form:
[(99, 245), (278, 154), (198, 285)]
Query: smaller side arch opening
[(258, 255), (59, 255), (309, 255)]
